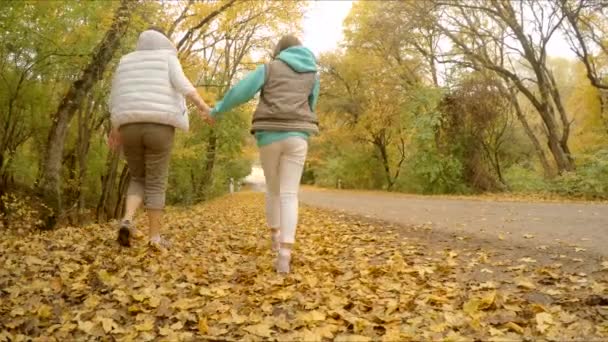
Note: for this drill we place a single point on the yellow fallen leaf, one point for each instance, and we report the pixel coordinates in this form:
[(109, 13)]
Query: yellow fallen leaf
[(261, 330), (567, 318), (154, 302), (283, 294), (438, 327), (311, 316), (436, 299), (536, 308), (598, 288), (205, 291), (266, 307), (352, 338), (185, 336), (496, 332), (453, 319), (233, 318), (553, 292), (121, 296), (305, 335), (488, 285), (203, 328), (514, 327), (108, 324), (579, 249), (165, 331), (528, 236), (68, 327), (177, 326), (528, 260), (215, 331), (392, 334), (148, 325), (183, 304), (501, 237), (139, 297), (474, 305), (311, 281), (146, 336), (105, 277), (92, 301), (525, 283), (32, 260), (543, 321), (86, 326), (517, 268), (134, 309), (44, 311), (326, 331), (512, 307), (361, 325), (19, 311)]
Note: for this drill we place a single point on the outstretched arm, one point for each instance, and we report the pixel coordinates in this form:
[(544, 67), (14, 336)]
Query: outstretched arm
[(183, 85), (242, 92)]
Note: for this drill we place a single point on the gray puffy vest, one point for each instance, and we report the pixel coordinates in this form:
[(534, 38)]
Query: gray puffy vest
[(284, 103)]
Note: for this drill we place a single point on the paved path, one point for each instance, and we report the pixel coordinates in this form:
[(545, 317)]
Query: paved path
[(571, 225)]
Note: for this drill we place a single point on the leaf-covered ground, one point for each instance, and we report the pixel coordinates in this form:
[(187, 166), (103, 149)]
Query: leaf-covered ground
[(351, 280)]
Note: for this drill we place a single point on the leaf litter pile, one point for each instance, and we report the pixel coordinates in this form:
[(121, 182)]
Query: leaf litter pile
[(351, 280)]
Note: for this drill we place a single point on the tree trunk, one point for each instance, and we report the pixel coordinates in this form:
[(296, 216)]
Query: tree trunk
[(85, 127), (603, 97), (561, 157), (542, 157), (50, 185), (498, 167), (385, 163), (123, 185), (566, 123), (207, 176), (108, 180), (3, 172)]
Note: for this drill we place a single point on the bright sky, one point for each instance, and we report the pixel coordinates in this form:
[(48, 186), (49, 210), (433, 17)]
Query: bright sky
[(323, 28), (323, 24)]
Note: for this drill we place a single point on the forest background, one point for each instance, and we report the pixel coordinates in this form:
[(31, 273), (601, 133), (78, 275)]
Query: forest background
[(429, 97)]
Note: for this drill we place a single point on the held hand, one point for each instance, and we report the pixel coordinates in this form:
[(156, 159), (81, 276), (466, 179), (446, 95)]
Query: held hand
[(206, 116)]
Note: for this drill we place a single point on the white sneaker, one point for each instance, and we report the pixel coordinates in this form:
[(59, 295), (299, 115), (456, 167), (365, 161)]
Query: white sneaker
[(283, 262), (160, 244)]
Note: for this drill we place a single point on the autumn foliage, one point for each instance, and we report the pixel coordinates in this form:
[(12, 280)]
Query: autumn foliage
[(353, 280)]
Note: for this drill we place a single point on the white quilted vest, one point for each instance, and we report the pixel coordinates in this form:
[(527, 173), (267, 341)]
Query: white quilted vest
[(142, 90)]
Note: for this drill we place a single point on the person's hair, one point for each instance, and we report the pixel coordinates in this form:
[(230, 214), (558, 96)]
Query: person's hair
[(286, 42), (157, 29)]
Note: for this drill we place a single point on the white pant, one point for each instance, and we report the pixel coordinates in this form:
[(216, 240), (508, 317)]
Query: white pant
[(283, 162)]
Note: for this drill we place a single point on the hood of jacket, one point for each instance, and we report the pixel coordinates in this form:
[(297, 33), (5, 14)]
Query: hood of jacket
[(153, 40), (299, 58)]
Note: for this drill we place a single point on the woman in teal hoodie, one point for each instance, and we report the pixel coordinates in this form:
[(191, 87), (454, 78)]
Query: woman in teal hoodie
[(282, 124)]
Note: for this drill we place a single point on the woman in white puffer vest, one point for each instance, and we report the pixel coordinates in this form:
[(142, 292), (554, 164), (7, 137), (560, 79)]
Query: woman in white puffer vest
[(147, 103)]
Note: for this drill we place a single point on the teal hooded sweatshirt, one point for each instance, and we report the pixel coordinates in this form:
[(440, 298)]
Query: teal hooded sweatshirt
[(300, 59)]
